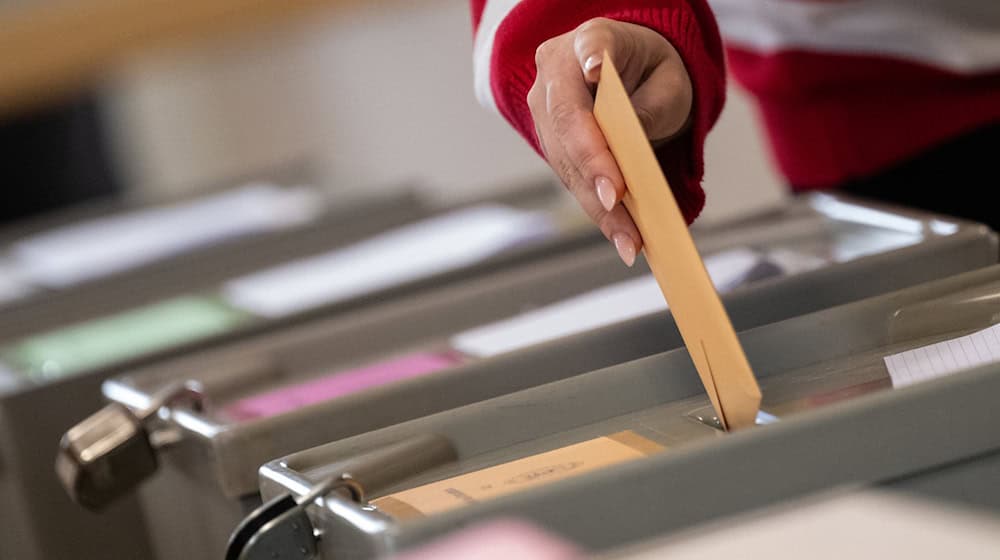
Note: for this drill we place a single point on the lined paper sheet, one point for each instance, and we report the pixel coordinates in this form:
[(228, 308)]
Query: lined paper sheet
[(405, 254), (944, 358), (84, 251), (605, 306)]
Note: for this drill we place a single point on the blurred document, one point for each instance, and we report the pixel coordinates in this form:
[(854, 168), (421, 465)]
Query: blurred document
[(12, 286), (944, 358), (420, 250), (338, 384), (104, 341), (605, 306), (85, 251)]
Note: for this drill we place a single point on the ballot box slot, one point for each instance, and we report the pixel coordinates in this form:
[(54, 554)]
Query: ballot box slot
[(976, 307), (669, 428)]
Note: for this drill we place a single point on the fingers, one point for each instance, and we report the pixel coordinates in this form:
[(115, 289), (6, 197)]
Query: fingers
[(577, 151), (561, 104), (663, 102)]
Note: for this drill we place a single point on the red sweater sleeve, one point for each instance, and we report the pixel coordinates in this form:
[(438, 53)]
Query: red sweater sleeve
[(689, 26)]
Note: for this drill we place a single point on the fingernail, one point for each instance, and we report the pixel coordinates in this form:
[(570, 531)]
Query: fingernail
[(593, 61), (625, 248), (606, 192)]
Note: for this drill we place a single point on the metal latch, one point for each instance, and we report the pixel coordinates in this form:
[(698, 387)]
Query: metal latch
[(281, 529), (112, 451)]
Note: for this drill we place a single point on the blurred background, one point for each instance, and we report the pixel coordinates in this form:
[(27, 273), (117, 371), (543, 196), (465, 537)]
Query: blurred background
[(219, 217), (359, 97)]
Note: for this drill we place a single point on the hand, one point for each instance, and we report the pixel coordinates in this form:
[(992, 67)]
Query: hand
[(562, 103)]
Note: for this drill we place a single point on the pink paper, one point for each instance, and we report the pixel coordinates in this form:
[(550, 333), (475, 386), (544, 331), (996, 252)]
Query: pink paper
[(339, 384), (504, 539)]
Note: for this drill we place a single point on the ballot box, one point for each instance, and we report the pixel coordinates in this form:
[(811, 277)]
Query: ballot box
[(898, 390), (92, 261), (52, 378), (875, 523), (242, 405), (100, 259), (113, 264), (870, 523)]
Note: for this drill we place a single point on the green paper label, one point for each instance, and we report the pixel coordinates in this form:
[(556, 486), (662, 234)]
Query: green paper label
[(105, 341)]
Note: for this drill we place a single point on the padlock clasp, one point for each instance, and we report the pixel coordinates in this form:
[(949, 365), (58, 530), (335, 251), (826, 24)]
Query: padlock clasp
[(108, 454)]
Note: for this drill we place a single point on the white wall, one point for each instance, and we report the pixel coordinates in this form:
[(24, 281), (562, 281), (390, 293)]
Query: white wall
[(381, 98)]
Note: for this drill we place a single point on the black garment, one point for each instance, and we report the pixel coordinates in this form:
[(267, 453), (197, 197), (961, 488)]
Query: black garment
[(960, 178), (53, 158)]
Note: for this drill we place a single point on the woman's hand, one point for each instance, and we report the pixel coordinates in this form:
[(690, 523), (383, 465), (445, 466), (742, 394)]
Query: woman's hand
[(562, 102)]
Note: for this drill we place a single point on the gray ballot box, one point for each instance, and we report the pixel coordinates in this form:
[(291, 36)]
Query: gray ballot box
[(90, 262), (279, 393), (99, 267), (52, 378), (875, 522), (868, 393), (870, 523)]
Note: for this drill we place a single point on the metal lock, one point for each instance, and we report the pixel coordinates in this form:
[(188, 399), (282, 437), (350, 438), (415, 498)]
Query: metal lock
[(281, 529), (111, 452)]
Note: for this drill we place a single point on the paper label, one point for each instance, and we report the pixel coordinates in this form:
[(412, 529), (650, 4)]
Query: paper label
[(84, 251), (406, 254), (605, 306), (516, 476), (944, 358), (104, 341), (338, 384)]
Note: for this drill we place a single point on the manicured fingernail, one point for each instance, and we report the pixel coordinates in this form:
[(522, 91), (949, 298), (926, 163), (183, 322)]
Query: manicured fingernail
[(625, 248), (592, 62), (606, 192)]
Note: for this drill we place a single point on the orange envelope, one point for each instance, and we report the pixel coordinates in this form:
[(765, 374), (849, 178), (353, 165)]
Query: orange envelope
[(674, 259)]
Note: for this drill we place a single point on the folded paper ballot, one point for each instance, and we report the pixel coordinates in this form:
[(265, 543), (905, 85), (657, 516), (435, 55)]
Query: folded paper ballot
[(611, 304), (85, 251), (672, 256), (420, 250)]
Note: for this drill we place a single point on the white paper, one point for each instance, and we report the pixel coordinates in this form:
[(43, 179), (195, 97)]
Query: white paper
[(944, 358), (416, 251), (85, 251), (12, 286), (9, 380), (870, 524), (605, 306)]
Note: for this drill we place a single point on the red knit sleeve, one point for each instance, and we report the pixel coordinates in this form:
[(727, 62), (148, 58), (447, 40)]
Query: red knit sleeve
[(689, 26)]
